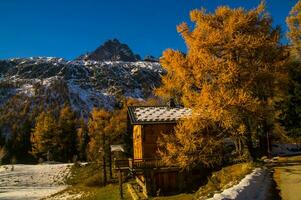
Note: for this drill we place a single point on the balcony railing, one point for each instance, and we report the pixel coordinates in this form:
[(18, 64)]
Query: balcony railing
[(131, 164), (147, 163), (122, 164)]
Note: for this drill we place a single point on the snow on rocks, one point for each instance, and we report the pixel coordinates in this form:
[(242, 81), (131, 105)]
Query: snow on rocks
[(82, 83), (31, 182), (255, 185), (27, 89)]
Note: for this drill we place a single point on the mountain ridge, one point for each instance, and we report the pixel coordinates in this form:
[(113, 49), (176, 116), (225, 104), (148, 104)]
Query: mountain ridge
[(87, 83)]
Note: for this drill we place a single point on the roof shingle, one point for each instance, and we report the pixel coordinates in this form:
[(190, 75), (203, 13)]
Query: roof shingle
[(156, 114)]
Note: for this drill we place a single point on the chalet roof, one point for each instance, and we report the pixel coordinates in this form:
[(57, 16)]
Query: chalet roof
[(156, 114)]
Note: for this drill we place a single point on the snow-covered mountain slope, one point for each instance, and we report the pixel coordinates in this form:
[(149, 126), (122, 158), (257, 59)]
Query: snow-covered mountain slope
[(82, 83)]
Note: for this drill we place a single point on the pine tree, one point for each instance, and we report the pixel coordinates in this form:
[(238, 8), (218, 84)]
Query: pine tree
[(290, 107), (290, 116), (233, 69)]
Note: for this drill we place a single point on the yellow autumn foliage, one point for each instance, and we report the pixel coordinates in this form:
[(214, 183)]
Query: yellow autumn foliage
[(294, 24), (98, 127), (233, 66)]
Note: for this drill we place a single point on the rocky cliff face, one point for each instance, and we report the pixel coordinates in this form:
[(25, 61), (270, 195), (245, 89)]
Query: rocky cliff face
[(112, 50)]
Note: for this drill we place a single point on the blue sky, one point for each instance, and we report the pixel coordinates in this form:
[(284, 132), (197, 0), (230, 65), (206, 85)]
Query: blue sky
[(68, 28)]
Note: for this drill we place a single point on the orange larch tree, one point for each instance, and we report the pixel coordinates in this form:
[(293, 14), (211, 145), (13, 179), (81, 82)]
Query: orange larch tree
[(229, 77), (294, 24)]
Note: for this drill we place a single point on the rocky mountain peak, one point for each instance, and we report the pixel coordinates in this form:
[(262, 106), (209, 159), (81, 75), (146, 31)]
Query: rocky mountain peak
[(112, 50)]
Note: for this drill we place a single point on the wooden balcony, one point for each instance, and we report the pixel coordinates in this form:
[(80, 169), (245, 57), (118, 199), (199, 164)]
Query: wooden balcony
[(138, 164)]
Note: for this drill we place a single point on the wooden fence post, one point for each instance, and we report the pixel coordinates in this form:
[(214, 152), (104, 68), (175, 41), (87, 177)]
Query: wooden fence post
[(120, 183)]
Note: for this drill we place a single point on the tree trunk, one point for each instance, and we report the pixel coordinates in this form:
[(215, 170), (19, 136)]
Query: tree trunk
[(110, 164), (240, 147), (104, 165), (249, 142), (268, 145), (120, 184), (236, 145)]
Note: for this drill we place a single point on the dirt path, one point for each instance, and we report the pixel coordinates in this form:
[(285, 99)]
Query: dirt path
[(31, 182), (288, 177)]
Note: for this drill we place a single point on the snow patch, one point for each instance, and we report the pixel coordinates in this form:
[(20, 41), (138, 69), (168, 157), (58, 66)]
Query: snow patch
[(87, 98), (254, 186), (31, 182), (47, 82), (66, 196), (26, 89)]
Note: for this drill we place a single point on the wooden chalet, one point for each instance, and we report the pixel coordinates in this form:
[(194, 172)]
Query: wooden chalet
[(146, 124)]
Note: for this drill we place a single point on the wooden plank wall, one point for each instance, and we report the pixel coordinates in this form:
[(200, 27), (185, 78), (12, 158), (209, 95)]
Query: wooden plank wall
[(151, 134), (145, 147), (137, 142), (166, 181)]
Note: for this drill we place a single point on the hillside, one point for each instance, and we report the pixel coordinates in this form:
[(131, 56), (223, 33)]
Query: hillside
[(82, 83), (32, 86)]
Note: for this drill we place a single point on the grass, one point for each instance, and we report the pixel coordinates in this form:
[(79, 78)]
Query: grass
[(224, 178), (87, 180), (177, 197), (86, 175), (108, 192)]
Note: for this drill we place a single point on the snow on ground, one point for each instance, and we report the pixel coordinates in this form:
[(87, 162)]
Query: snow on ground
[(31, 182), (286, 149), (255, 185), (67, 195)]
